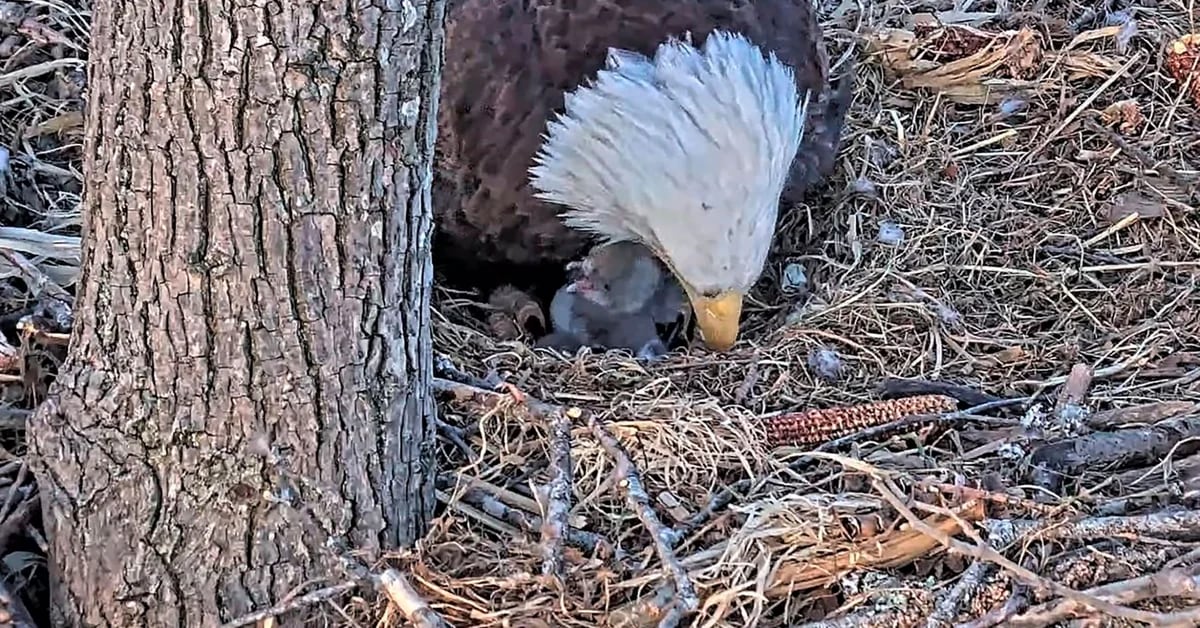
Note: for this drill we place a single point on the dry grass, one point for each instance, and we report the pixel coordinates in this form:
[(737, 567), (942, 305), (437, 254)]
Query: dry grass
[(1040, 163)]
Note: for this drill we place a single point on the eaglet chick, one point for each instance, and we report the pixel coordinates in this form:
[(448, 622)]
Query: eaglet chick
[(625, 277), (618, 295)]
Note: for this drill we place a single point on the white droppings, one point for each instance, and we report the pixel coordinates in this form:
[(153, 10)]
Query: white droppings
[(863, 186), (826, 364), (377, 229), (949, 316), (1035, 418), (794, 277), (890, 233), (1010, 106)]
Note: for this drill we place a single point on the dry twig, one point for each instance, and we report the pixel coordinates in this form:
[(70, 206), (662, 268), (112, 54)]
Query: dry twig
[(397, 589), (1109, 450), (1170, 583), (293, 604), (587, 541), (555, 525), (890, 492), (639, 501)]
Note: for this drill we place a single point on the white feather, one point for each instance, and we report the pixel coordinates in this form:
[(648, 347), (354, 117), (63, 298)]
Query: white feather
[(687, 152)]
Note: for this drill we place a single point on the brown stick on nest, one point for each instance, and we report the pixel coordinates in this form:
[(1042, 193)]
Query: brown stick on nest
[(397, 589), (558, 493), (1053, 462), (635, 493), (884, 485), (1183, 582), (685, 599)]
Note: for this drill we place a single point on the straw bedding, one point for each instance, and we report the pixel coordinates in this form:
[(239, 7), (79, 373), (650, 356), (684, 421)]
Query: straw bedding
[(1012, 221)]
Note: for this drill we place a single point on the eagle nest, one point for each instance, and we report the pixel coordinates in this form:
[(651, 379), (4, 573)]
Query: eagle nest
[(965, 389), (933, 371)]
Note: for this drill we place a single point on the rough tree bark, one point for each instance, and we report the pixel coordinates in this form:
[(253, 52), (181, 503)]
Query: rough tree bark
[(249, 374)]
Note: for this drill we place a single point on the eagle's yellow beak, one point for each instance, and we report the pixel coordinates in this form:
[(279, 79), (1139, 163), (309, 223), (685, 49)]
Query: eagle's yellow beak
[(719, 319)]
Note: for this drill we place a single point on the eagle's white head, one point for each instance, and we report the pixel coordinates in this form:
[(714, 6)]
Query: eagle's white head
[(688, 154)]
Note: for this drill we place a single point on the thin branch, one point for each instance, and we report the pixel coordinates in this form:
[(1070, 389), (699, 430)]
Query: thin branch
[(890, 492), (296, 603), (555, 525), (1169, 583), (685, 595), (587, 541), (397, 588)]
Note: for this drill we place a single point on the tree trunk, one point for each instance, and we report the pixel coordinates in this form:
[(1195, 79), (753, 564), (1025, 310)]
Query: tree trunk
[(248, 382)]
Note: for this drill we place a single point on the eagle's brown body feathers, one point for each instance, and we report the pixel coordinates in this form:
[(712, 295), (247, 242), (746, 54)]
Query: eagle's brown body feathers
[(507, 66)]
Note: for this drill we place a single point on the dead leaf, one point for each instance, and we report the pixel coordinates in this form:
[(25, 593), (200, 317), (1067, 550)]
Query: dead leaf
[(1135, 202), (894, 548), (943, 42), (1108, 32), (1010, 355), (1172, 190), (1176, 360), (1080, 64), (1126, 114), (895, 46), (1013, 52), (1024, 55), (958, 17), (993, 69)]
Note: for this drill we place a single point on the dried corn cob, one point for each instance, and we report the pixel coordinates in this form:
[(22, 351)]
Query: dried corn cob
[(813, 427)]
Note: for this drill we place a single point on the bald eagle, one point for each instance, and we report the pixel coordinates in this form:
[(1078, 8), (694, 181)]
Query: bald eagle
[(679, 124)]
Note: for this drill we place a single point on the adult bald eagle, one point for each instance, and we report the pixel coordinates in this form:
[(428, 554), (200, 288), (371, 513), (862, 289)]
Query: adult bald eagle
[(687, 149)]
